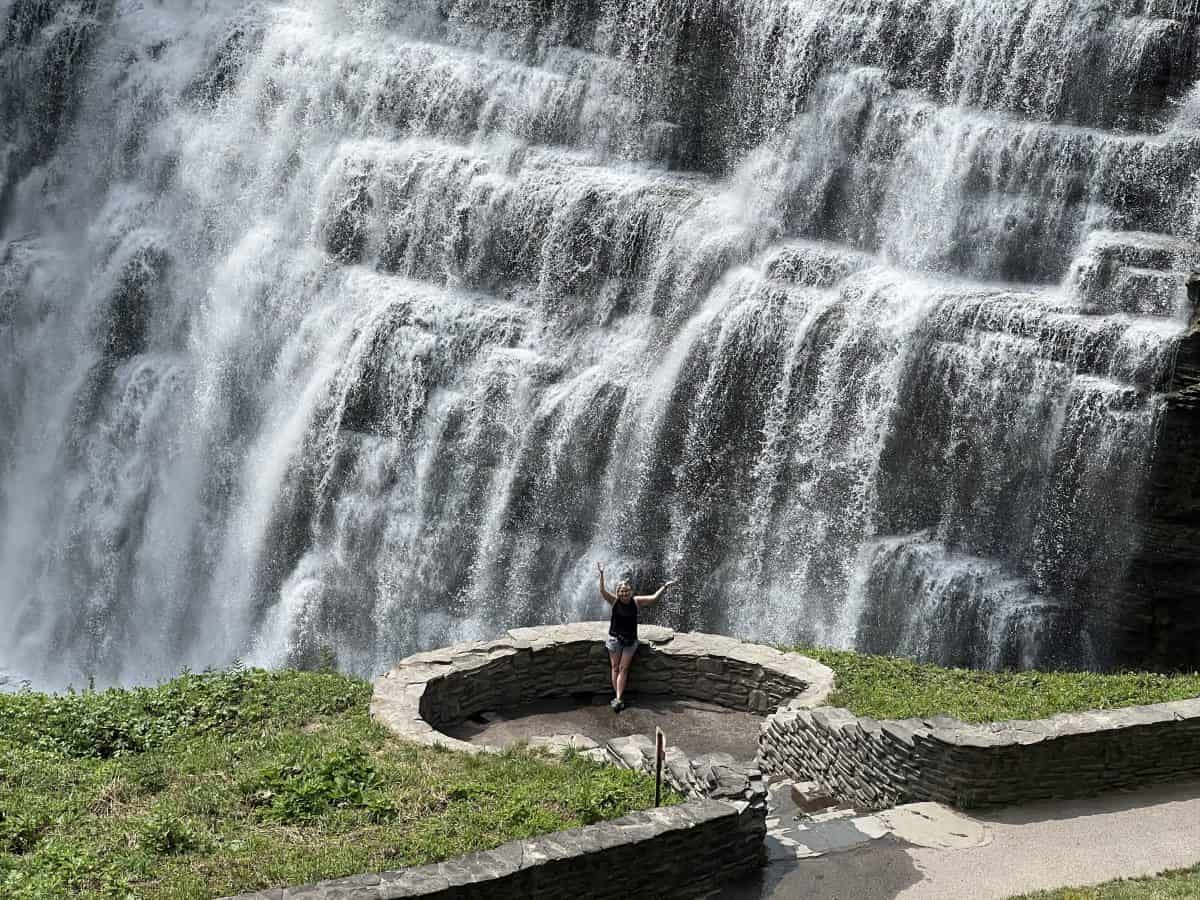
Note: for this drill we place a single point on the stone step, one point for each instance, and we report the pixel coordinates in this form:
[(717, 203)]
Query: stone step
[(1128, 350), (1137, 273), (794, 834), (762, 56), (711, 775), (544, 219), (815, 263)]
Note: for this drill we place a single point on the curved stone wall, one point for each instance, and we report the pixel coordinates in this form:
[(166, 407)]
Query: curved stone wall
[(431, 690), (876, 764)]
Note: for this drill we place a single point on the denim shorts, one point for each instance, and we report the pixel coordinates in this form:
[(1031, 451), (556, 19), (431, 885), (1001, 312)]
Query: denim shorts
[(614, 645)]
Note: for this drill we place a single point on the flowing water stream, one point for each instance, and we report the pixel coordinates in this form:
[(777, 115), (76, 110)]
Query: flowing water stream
[(371, 324)]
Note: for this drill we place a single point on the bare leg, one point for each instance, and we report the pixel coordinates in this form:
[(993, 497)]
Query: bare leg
[(623, 674), (615, 659)]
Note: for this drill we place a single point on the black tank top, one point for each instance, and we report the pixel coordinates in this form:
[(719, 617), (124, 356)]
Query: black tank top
[(623, 624)]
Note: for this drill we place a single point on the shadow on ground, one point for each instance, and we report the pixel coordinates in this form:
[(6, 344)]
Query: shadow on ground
[(1102, 805), (692, 726), (879, 871)]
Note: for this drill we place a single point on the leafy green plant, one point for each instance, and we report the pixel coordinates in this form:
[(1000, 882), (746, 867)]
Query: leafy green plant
[(164, 833), (147, 773), (301, 789), (601, 799), (20, 830), (59, 869)]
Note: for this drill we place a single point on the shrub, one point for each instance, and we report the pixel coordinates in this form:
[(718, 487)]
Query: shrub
[(57, 869)]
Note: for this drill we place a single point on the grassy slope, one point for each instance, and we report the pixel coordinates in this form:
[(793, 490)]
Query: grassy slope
[(1175, 885), (886, 687), (219, 783)]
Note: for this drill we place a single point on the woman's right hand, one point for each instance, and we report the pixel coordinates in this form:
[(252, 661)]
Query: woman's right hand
[(600, 567)]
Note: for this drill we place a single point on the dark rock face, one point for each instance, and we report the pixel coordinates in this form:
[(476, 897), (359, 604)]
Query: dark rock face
[(1161, 619), (46, 45)]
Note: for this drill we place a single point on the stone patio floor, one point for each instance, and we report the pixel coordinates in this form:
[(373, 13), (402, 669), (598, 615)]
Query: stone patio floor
[(692, 726)]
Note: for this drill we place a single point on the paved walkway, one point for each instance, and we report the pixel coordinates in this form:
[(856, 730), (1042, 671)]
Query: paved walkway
[(928, 852)]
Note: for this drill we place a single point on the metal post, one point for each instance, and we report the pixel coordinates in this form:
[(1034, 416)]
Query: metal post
[(660, 752)]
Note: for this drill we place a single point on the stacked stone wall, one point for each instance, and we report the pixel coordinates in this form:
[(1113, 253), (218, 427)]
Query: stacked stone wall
[(681, 851), (582, 667), (876, 764), (429, 691)]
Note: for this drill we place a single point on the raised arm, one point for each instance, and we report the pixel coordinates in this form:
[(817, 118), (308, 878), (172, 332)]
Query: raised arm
[(608, 597), (647, 599)]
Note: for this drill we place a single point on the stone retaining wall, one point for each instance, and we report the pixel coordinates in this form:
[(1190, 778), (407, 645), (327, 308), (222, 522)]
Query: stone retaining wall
[(876, 764), (431, 690), (679, 851)]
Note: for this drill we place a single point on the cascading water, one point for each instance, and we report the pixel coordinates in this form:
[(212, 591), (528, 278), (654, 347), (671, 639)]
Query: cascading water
[(370, 325)]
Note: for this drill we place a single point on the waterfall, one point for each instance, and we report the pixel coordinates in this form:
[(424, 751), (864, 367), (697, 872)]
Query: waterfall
[(364, 326)]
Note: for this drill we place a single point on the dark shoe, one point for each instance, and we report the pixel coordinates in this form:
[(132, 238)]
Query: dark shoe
[(615, 704), (620, 705)]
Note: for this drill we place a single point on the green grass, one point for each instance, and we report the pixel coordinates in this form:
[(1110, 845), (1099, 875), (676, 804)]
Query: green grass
[(886, 687), (1174, 885), (220, 783)]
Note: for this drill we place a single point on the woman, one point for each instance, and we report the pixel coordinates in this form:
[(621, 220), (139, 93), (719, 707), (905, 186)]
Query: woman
[(622, 640)]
